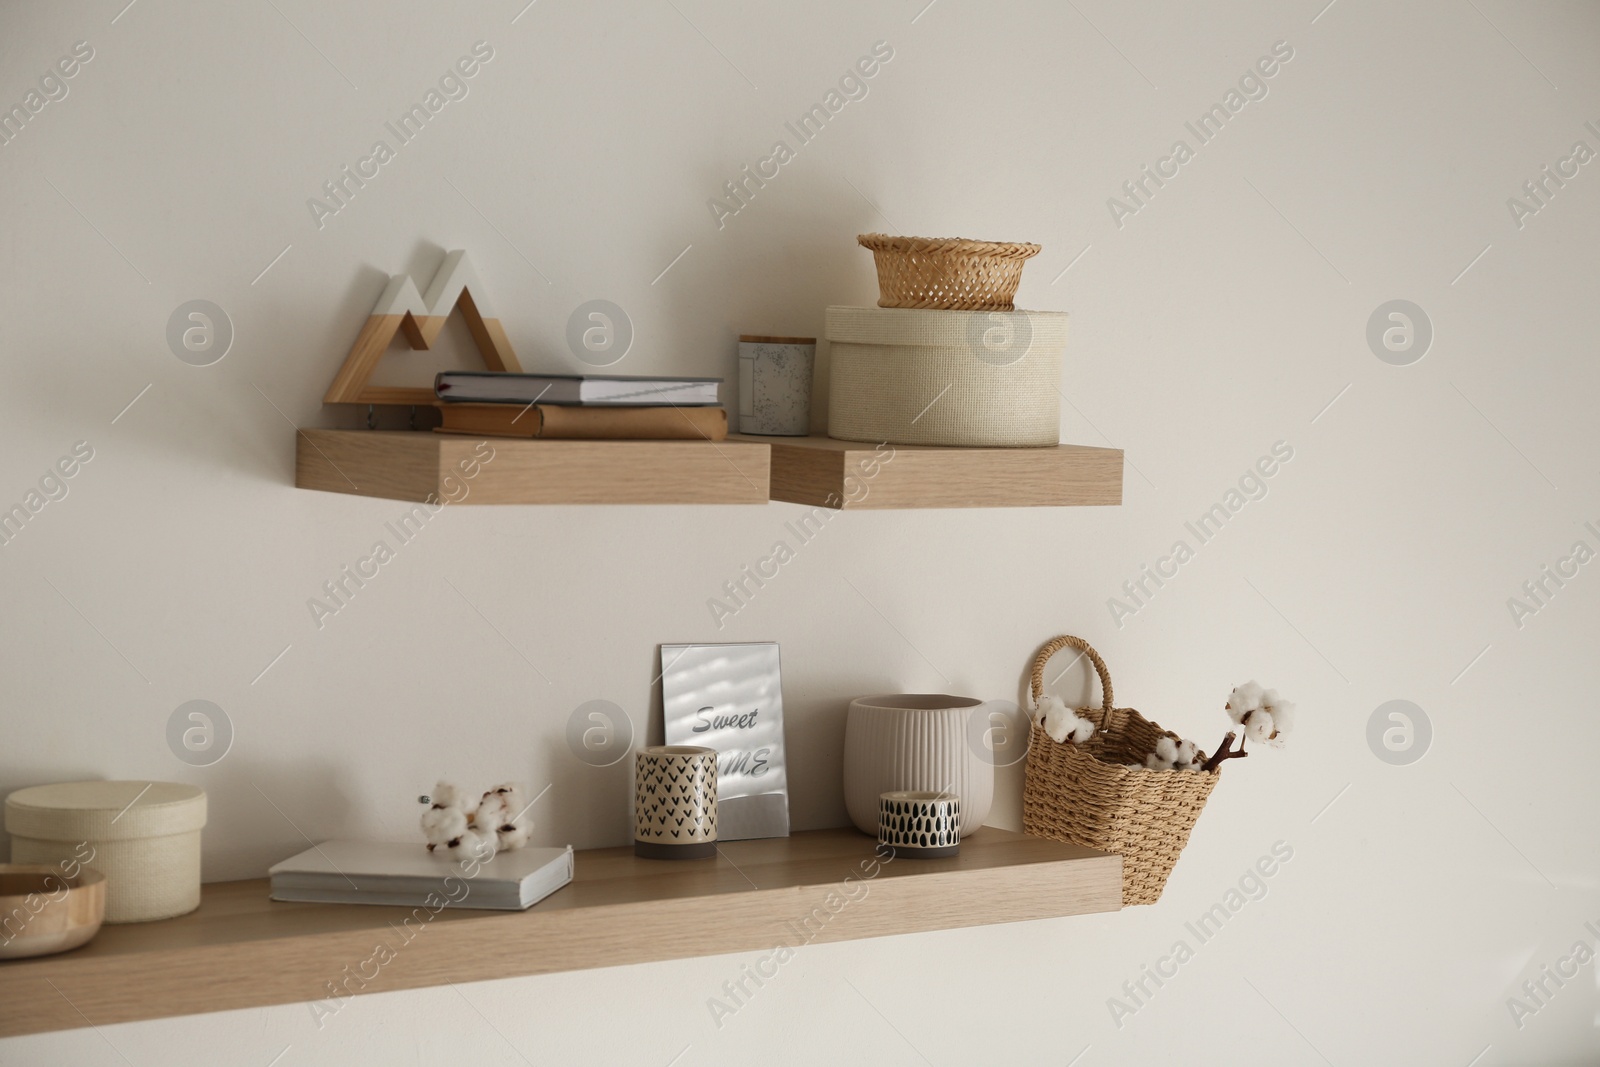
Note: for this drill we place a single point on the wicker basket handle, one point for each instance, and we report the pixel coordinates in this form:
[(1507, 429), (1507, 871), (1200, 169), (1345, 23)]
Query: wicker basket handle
[(1056, 644)]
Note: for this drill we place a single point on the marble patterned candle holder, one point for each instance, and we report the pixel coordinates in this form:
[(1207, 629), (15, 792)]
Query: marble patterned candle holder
[(919, 825), (675, 802), (775, 385)]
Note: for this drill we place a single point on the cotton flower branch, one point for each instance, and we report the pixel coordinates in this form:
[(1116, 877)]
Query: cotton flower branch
[(1264, 716), (496, 821)]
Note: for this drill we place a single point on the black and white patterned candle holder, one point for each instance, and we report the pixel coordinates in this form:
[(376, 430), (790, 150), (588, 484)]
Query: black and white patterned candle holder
[(675, 802), (920, 825)]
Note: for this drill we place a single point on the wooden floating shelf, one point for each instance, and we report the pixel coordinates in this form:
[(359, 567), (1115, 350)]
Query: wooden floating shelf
[(241, 950), (413, 465), (410, 465), (855, 475)]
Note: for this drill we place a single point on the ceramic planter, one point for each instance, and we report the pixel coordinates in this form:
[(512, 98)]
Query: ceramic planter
[(917, 742)]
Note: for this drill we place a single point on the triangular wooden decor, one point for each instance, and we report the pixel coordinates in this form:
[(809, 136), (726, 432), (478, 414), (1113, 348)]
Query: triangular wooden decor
[(402, 309)]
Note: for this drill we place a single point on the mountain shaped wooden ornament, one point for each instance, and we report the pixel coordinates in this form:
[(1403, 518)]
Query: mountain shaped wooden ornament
[(420, 317)]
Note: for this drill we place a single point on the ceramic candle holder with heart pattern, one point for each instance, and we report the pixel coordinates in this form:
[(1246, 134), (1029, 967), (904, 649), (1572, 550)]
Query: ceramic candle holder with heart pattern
[(675, 802)]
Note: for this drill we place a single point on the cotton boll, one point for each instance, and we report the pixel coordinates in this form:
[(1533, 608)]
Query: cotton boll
[(516, 798), (1170, 755), (514, 827), (499, 806), (472, 844), (492, 811), (448, 816), (441, 825), (1283, 717), (1243, 700), (1259, 726), (513, 835), (446, 795), (1061, 722), (1058, 721)]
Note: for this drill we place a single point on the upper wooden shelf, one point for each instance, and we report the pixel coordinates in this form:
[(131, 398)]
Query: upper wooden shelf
[(417, 465), (856, 475), (414, 465), (241, 950)]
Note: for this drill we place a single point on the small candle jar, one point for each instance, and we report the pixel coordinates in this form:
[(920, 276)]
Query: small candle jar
[(675, 802), (775, 385), (920, 825)]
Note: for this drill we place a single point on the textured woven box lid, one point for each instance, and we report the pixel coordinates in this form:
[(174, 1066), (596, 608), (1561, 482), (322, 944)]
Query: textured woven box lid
[(918, 326), (105, 811)]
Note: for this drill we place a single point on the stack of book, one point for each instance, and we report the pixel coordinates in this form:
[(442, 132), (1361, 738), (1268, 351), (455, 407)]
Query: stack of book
[(587, 406), (380, 872)]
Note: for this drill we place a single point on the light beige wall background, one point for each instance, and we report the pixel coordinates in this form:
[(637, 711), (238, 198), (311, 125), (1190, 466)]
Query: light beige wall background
[(1224, 316)]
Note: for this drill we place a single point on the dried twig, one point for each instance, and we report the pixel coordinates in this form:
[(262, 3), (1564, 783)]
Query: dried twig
[(1225, 751)]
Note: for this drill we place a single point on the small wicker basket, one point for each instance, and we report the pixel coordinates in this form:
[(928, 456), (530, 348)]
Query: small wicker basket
[(1088, 795), (947, 273)]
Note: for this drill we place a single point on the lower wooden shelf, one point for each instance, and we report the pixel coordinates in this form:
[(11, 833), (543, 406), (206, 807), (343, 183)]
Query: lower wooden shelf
[(850, 475), (241, 950), (408, 465)]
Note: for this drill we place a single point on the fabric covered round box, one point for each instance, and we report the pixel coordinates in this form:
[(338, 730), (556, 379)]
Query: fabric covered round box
[(925, 377), (143, 836)]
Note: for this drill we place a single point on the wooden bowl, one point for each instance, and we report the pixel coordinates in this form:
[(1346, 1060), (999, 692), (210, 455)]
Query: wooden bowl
[(43, 910)]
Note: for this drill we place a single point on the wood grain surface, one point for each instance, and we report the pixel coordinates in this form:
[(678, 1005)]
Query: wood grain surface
[(850, 474), (411, 465), (242, 950)]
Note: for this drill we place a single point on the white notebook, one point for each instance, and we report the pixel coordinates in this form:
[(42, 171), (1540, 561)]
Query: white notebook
[(399, 873), (620, 390)]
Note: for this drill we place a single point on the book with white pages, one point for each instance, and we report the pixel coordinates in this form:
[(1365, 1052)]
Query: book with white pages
[(598, 390), (407, 874)]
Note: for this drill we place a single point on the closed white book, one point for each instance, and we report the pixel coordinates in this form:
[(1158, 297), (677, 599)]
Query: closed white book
[(398, 873), (596, 390)]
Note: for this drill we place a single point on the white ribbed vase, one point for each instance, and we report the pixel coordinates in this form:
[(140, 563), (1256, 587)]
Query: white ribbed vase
[(914, 741)]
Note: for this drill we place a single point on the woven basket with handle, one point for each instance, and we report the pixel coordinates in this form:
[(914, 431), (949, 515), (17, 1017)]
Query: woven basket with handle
[(1088, 795), (949, 273)]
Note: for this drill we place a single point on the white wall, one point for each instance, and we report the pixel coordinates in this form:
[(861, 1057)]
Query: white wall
[(1219, 319)]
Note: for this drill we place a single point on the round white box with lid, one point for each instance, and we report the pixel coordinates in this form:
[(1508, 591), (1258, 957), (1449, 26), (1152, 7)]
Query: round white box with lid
[(925, 377), (144, 837)]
